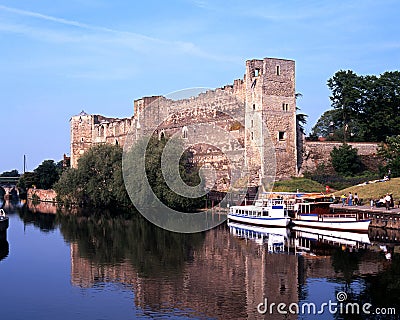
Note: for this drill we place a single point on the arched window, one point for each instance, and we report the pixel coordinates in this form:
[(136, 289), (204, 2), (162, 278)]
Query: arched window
[(184, 132), (161, 135)]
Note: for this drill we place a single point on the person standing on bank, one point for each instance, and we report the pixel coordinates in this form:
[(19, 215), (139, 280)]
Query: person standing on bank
[(387, 201), (350, 199), (343, 198), (356, 200)]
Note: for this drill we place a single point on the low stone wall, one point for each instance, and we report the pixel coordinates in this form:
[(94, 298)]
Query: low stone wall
[(316, 153), (42, 195)]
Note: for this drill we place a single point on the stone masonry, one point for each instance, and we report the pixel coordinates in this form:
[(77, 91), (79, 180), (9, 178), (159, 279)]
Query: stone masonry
[(264, 101), (264, 123)]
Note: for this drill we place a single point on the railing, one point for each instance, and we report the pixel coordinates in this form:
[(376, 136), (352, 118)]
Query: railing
[(13, 180)]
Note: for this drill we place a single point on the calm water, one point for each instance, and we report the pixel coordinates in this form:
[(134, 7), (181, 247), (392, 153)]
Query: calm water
[(69, 267)]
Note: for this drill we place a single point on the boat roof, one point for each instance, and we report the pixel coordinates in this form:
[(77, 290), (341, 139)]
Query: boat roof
[(294, 194)]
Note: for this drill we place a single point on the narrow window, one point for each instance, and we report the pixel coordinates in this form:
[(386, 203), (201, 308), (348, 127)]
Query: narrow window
[(285, 106), (278, 70), (252, 136), (254, 106), (256, 72), (252, 123), (82, 139), (184, 132), (281, 135)]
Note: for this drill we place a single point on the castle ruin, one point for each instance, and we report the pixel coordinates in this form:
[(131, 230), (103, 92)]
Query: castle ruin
[(265, 105)]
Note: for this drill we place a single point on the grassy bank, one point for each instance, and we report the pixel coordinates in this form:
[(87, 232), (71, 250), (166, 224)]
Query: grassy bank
[(301, 184), (375, 190)]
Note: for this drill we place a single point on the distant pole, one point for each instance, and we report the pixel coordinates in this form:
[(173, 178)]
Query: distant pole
[(24, 163)]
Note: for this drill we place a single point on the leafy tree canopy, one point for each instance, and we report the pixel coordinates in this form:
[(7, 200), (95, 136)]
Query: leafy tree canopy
[(390, 151), (27, 180), (12, 173), (345, 160), (188, 173), (97, 181), (47, 173), (365, 108)]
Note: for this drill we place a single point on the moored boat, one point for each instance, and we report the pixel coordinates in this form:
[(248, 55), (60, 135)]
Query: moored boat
[(3, 225), (264, 212), (307, 216)]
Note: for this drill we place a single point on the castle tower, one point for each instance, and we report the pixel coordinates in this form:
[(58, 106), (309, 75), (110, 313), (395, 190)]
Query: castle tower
[(81, 127), (270, 108)]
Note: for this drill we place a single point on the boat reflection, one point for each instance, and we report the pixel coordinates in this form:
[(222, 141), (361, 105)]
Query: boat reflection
[(322, 241), (300, 240), (275, 237), (4, 249)]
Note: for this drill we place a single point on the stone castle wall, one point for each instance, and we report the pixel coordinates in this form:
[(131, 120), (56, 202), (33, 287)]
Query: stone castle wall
[(316, 153), (43, 195), (263, 101)]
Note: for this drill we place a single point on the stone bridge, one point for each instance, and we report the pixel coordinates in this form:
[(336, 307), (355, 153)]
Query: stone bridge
[(9, 186)]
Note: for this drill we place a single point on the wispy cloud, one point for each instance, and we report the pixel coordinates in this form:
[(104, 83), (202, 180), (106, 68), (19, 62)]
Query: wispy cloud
[(74, 23), (127, 38)]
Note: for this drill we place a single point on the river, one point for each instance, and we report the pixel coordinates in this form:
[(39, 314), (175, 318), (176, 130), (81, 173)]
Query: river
[(68, 266)]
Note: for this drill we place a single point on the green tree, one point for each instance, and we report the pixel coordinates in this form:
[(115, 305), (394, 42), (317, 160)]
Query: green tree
[(27, 180), (155, 176), (98, 181), (301, 118), (345, 160), (47, 174), (329, 126), (12, 173), (365, 108), (390, 151)]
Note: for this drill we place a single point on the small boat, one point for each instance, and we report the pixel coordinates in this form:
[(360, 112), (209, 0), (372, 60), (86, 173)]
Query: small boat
[(3, 225), (264, 212), (308, 217)]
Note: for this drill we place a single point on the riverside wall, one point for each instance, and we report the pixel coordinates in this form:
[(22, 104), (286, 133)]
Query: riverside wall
[(317, 153)]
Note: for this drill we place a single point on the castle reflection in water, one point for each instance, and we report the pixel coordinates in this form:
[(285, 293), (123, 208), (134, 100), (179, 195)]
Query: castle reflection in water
[(232, 271)]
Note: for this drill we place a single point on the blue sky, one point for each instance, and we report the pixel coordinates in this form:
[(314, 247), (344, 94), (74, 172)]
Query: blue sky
[(59, 57)]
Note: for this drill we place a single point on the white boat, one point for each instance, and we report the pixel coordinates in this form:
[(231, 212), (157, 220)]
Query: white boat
[(3, 225), (264, 212), (305, 216)]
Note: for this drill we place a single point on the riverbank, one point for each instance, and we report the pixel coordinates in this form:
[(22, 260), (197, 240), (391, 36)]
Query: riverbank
[(374, 191)]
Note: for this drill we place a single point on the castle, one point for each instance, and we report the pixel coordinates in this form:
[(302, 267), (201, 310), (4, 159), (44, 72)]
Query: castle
[(264, 107), (265, 104)]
